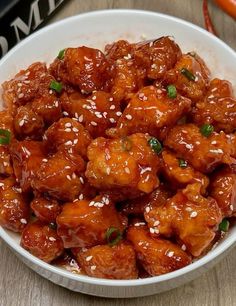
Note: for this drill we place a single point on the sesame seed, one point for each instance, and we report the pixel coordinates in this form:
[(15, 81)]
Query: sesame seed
[(91, 203), (5, 164), (68, 124), (156, 223), (112, 106), (94, 98), (129, 117), (151, 44), (68, 130), (23, 221), (112, 120), (81, 117), (45, 160), (1, 184), (26, 81), (75, 130), (21, 95), (88, 258), (94, 123), (231, 207), (152, 231), (127, 170), (22, 122), (188, 209), (108, 170), (81, 196), (154, 66), (147, 209), (81, 180), (50, 92), (67, 167), (214, 142), (65, 114), (183, 247), (111, 99), (193, 214), (68, 177), (75, 141), (170, 254), (52, 239), (68, 143), (74, 176), (93, 268), (118, 114)]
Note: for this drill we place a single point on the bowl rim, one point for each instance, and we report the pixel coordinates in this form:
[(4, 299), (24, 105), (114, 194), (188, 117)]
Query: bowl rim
[(226, 244)]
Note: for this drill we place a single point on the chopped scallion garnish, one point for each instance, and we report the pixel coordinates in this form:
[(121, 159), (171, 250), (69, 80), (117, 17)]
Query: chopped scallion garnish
[(183, 163), (171, 91), (188, 74), (56, 86), (61, 54), (224, 225), (113, 236), (155, 145), (5, 136), (206, 130)]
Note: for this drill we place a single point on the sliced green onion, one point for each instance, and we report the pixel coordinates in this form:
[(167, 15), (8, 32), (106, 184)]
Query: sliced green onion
[(183, 163), (155, 145), (188, 74), (171, 91), (206, 130), (56, 86), (61, 54), (5, 136), (224, 225), (113, 236)]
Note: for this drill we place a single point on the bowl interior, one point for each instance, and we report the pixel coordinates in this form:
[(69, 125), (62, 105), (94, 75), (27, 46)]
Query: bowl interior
[(96, 29)]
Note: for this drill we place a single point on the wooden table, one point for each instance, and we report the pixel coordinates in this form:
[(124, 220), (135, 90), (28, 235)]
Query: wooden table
[(20, 286)]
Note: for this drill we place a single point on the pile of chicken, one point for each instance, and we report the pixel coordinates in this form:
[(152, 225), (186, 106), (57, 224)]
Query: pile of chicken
[(122, 160)]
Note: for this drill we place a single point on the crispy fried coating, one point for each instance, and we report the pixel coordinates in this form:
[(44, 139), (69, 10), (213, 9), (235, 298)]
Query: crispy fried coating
[(14, 207), (137, 206), (67, 134), (34, 82), (84, 223), (45, 209), (188, 216), (26, 157), (60, 176), (203, 153), (223, 190), (116, 262), (125, 164), (150, 111), (179, 173), (218, 107), (157, 56), (42, 241), (96, 112), (157, 256), (193, 89), (84, 67)]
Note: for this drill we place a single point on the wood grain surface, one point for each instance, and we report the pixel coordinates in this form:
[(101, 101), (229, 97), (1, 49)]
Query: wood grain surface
[(19, 286)]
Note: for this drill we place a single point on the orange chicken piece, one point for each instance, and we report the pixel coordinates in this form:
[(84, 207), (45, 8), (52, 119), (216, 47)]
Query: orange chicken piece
[(150, 111), (127, 165), (223, 190), (203, 153), (85, 223), (188, 216), (157, 256), (42, 241), (116, 262)]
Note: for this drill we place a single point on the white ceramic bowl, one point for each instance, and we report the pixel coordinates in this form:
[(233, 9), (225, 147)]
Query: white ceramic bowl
[(96, 29)]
